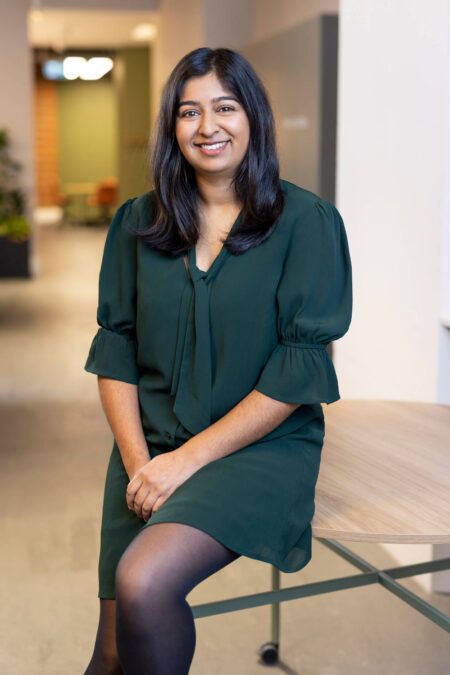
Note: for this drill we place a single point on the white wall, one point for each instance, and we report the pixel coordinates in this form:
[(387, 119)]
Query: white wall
[(391, 113), (391, 190), (16, 94), (444, 332)]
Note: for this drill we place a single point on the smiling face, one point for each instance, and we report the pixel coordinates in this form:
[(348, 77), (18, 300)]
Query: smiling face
[(212, 127)]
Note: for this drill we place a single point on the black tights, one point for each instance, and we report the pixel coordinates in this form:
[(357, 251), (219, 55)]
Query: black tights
[(149, 628)]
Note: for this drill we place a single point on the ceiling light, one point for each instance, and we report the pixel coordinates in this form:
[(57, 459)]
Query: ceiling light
[(92, 69), (143, 32), (96, 68), (73, 67), (36, 15), (53, 69)]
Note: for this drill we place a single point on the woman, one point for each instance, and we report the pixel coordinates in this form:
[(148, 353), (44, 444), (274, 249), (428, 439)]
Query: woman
[(218, 293)]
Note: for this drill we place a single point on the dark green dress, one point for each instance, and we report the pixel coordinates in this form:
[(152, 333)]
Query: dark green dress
[(197, 344)]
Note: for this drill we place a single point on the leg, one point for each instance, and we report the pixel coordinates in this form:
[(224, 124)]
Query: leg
[(154, 623), (105, 660)]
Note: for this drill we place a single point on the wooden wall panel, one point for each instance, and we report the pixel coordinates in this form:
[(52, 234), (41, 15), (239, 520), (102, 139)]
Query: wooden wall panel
[(46, 141)]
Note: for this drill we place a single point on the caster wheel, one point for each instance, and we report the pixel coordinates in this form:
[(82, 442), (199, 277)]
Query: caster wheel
[(269, 653)]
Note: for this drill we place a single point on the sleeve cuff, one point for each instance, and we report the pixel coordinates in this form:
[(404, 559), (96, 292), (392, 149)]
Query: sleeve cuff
[(113, 355), (299, 373)]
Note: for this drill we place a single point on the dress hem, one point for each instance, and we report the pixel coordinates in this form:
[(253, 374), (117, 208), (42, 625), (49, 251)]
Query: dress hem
[(223, 540)]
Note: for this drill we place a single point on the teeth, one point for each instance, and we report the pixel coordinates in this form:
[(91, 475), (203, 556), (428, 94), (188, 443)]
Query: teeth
[(214, 146)]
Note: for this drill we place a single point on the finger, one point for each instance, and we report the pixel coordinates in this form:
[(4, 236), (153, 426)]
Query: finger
[(147, 509), (132, 489), (137, 506), (158, 503), (140, 500)]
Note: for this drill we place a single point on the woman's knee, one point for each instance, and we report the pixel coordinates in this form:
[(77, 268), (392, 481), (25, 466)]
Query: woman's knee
[(131, 581), (139, 579)]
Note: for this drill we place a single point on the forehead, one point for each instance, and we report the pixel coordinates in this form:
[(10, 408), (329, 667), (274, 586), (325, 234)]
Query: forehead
[(204, 87)]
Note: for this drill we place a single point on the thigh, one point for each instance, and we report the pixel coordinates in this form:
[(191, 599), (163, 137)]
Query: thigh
[(171, 556), (119, 525)]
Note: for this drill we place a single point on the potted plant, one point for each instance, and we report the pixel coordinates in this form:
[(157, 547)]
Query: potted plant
[(15, 229)]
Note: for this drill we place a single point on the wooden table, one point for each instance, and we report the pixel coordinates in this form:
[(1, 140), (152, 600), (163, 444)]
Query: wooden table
[(384, 477), (385, 473)]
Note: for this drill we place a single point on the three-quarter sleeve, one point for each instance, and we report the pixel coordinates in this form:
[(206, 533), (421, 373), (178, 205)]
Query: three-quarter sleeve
[(113, 350), (314, 298)]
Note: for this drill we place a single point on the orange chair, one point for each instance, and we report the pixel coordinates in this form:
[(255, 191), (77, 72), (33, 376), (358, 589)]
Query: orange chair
[(105, 197)]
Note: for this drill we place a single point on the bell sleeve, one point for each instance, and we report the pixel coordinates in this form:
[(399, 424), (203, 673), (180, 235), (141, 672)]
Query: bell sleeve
[(314, 300), (113, 350)]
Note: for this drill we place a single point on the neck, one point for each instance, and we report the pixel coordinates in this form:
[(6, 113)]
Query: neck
[(216, 191)]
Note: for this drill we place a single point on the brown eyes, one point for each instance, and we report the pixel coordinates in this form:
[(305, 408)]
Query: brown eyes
[(223, 107)]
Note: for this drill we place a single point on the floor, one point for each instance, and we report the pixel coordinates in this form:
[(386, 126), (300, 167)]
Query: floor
[(55, 444)]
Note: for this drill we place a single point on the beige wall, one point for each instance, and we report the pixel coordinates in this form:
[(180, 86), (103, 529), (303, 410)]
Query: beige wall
[(129, 5), (180, 29), (269, 17), (16, 112), (184, 25), (16, 94), (227, 24)]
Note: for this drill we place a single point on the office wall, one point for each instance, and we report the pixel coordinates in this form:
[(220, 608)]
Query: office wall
[(87, 130), (226, 24), (132, 85), (180, 29), (16, 97), (129, 5), (214, 23), (269, 17), (46, 124), (391, 188), (184, 25), (298, 67)]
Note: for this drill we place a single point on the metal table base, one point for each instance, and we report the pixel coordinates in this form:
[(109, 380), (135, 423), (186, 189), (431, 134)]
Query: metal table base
[(270, 651)]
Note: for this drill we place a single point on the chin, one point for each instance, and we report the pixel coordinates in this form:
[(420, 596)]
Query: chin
[(216, 169)]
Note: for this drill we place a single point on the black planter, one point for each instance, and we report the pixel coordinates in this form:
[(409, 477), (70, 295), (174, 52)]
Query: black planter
[(14, 258)]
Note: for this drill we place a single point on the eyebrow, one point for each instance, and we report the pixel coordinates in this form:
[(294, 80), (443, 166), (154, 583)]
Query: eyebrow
[(214, 100)]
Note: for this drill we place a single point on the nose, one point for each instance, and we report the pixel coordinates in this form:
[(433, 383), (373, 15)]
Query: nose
[(207, 123)]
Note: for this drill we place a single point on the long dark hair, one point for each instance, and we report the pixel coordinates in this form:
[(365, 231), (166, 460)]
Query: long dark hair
[(175, 197)]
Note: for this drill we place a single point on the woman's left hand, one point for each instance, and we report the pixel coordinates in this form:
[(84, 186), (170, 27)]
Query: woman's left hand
[(153, 484)]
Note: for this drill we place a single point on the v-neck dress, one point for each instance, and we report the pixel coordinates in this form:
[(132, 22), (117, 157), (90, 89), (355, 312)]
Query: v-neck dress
[(196, 343)]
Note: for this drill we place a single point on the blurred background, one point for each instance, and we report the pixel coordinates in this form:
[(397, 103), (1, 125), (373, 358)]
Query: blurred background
[(361, 95)]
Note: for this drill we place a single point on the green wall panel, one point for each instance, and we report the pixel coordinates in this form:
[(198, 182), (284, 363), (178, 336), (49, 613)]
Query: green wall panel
[(88, 126)]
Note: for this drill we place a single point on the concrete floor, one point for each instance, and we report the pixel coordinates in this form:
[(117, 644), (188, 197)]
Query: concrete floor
[(55, 445)]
